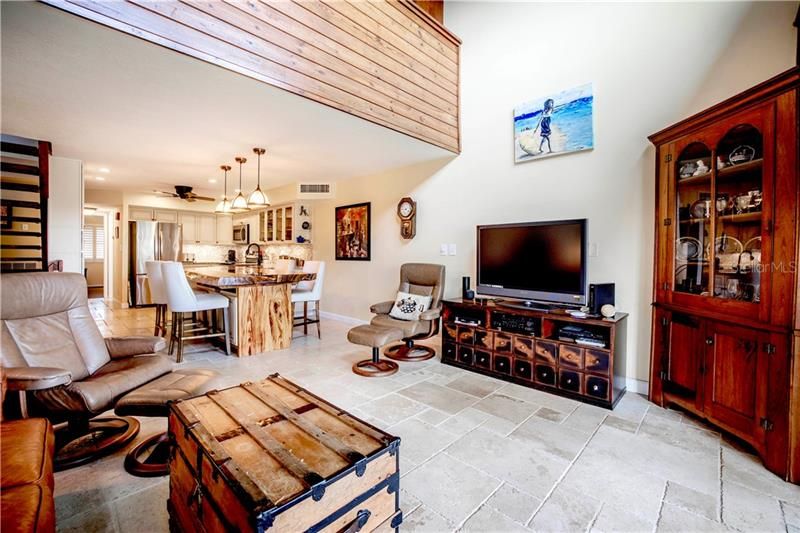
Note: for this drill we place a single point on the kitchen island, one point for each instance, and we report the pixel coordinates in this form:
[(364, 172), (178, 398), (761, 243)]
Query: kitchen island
[(262, 317)]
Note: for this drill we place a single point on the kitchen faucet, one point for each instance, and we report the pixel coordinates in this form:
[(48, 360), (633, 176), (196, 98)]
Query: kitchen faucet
[(258, 251)]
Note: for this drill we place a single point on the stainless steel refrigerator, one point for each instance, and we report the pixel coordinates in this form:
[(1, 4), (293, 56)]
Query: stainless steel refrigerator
[(150, 241)]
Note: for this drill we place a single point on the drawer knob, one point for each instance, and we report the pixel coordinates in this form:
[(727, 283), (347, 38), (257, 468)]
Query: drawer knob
[(595, 388), (569, 381)]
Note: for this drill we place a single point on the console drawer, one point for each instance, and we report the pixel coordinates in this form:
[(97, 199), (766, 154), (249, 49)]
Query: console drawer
[(466, 335), (597, 361), (483, 359), (570, 356), (502, 343), (545, 374), (570, 380), (523, 347), (546, 352), (450, 332), (523, 369), (501, 364), (449, 351), (597, 387), (465, 355), (484, 339)]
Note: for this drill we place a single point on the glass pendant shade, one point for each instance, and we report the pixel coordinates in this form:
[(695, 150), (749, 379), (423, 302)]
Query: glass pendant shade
[(224, 206), (257, 197), (239, 204)]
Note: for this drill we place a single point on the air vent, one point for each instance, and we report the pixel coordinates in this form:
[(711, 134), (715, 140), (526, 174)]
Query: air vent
[(311, 191)]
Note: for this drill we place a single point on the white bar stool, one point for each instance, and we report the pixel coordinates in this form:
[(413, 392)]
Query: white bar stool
[(158, 295), (182, 299), (309, 291)]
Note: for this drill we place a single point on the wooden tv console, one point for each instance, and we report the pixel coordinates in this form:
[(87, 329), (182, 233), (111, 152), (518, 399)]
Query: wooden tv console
[(532, 355)]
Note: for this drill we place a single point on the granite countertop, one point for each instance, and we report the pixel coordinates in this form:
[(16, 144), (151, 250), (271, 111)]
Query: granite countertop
[(232, 276)]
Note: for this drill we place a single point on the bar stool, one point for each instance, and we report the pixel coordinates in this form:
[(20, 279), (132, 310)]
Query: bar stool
[(309, 291), (158, 295), (182, 299)]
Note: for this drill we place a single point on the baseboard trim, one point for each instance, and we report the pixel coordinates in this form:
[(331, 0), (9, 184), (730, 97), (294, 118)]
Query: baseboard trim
[(342, 318), (638, 386)]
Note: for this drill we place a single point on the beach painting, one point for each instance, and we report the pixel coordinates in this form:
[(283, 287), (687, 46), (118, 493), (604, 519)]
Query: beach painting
[(553, 125)]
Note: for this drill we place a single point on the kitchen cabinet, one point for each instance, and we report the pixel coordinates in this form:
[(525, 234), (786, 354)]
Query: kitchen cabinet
[(150, 213), (224, 230), (284, 223), (199, 228)]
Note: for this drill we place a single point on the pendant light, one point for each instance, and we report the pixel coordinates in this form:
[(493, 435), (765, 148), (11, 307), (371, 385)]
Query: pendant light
[(257, 197), (239, 204), (224, 206)]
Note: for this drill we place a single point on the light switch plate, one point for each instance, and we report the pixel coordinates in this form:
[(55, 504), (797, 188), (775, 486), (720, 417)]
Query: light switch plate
[(594, 249), (451, 249), (442, 249)]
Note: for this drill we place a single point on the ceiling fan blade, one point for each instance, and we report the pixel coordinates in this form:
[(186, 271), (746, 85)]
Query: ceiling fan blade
[(165, 193), (204, 198)]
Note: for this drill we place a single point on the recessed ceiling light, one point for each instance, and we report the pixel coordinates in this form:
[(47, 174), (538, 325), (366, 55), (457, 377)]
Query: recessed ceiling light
[(212, 180), (104, 170), (99, 178)]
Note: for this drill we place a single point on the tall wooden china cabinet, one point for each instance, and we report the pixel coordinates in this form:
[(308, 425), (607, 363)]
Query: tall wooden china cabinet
[(726, 320)]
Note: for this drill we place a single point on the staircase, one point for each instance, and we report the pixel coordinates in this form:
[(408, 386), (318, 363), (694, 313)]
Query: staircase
[(24, 186)]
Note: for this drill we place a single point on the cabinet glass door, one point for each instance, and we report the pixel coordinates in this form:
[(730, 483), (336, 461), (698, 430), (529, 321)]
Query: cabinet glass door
[(287, 224), (270, 225), (693, 229), (279, 224), (738, 215)]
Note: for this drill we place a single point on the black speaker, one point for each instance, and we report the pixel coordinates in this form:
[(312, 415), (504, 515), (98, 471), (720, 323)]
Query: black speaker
[(466, 294), (600, 294)]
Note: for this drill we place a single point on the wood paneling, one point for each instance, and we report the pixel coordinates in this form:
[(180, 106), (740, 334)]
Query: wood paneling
[(434, 8), (388, 62)]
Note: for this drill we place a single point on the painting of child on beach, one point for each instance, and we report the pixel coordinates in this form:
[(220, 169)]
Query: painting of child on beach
[(554, 125)]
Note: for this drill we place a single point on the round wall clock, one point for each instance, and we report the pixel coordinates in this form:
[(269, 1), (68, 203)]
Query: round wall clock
[(407, 211)]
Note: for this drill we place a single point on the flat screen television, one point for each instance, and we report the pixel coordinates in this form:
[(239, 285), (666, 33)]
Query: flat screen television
[(534, 261)]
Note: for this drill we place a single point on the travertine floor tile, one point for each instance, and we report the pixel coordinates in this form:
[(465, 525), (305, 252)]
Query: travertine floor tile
[(531, 470), (747, 510), (693, 501), (420, 441), (550, 437), (506, 407), (476, 385), (392, 408), (438, 397), (426, 520), (674, 519), (515, 504), (614, 519), (451, 488), (488, 519), (566, 510)]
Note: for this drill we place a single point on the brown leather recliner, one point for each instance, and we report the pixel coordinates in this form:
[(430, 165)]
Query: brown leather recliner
[(54, 354), (415, 278)]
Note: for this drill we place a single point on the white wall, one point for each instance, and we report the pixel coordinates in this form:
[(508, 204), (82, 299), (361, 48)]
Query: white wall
[(65, 213), (651, 65)]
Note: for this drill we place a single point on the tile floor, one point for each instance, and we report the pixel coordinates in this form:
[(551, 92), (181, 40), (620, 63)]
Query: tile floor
[(478, 454)]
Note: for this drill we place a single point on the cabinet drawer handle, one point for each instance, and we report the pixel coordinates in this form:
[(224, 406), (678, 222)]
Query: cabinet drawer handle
[(595, 388), (709, 340)]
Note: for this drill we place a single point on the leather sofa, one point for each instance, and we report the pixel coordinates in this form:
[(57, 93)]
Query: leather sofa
[(26, 475)]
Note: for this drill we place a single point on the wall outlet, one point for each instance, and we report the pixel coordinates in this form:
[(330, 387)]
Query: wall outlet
[(442, 249), (451, 249), (594, 249)]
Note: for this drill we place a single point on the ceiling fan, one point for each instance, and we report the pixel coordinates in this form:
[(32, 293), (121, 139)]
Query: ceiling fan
[(184, 192)]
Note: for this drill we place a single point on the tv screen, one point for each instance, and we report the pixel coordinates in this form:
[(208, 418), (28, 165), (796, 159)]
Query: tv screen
[(543, 261)]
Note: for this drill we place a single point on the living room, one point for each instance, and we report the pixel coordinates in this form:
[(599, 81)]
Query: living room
[(358, 193)]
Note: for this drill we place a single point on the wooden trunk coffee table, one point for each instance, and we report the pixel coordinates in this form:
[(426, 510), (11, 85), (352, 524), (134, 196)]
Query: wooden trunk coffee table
[(272, 456)]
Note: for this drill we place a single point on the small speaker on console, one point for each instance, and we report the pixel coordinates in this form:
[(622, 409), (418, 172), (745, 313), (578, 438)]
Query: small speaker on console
[(466, 294), (600, 294)]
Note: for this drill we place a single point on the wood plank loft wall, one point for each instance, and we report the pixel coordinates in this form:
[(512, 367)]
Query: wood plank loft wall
[(387, 61)]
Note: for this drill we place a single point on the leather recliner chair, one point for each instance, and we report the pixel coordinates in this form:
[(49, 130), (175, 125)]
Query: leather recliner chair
[(54, 354), (416, 278)]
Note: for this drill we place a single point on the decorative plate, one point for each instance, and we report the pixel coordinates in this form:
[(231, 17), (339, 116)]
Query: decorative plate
[(688, 248), (726, 244), (752, 245)]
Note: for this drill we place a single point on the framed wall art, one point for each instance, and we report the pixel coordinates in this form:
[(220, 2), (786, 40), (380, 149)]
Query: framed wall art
[(554, 124), (353, 236)]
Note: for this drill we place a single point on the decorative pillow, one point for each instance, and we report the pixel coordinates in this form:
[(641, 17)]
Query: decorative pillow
[(409, 306)]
